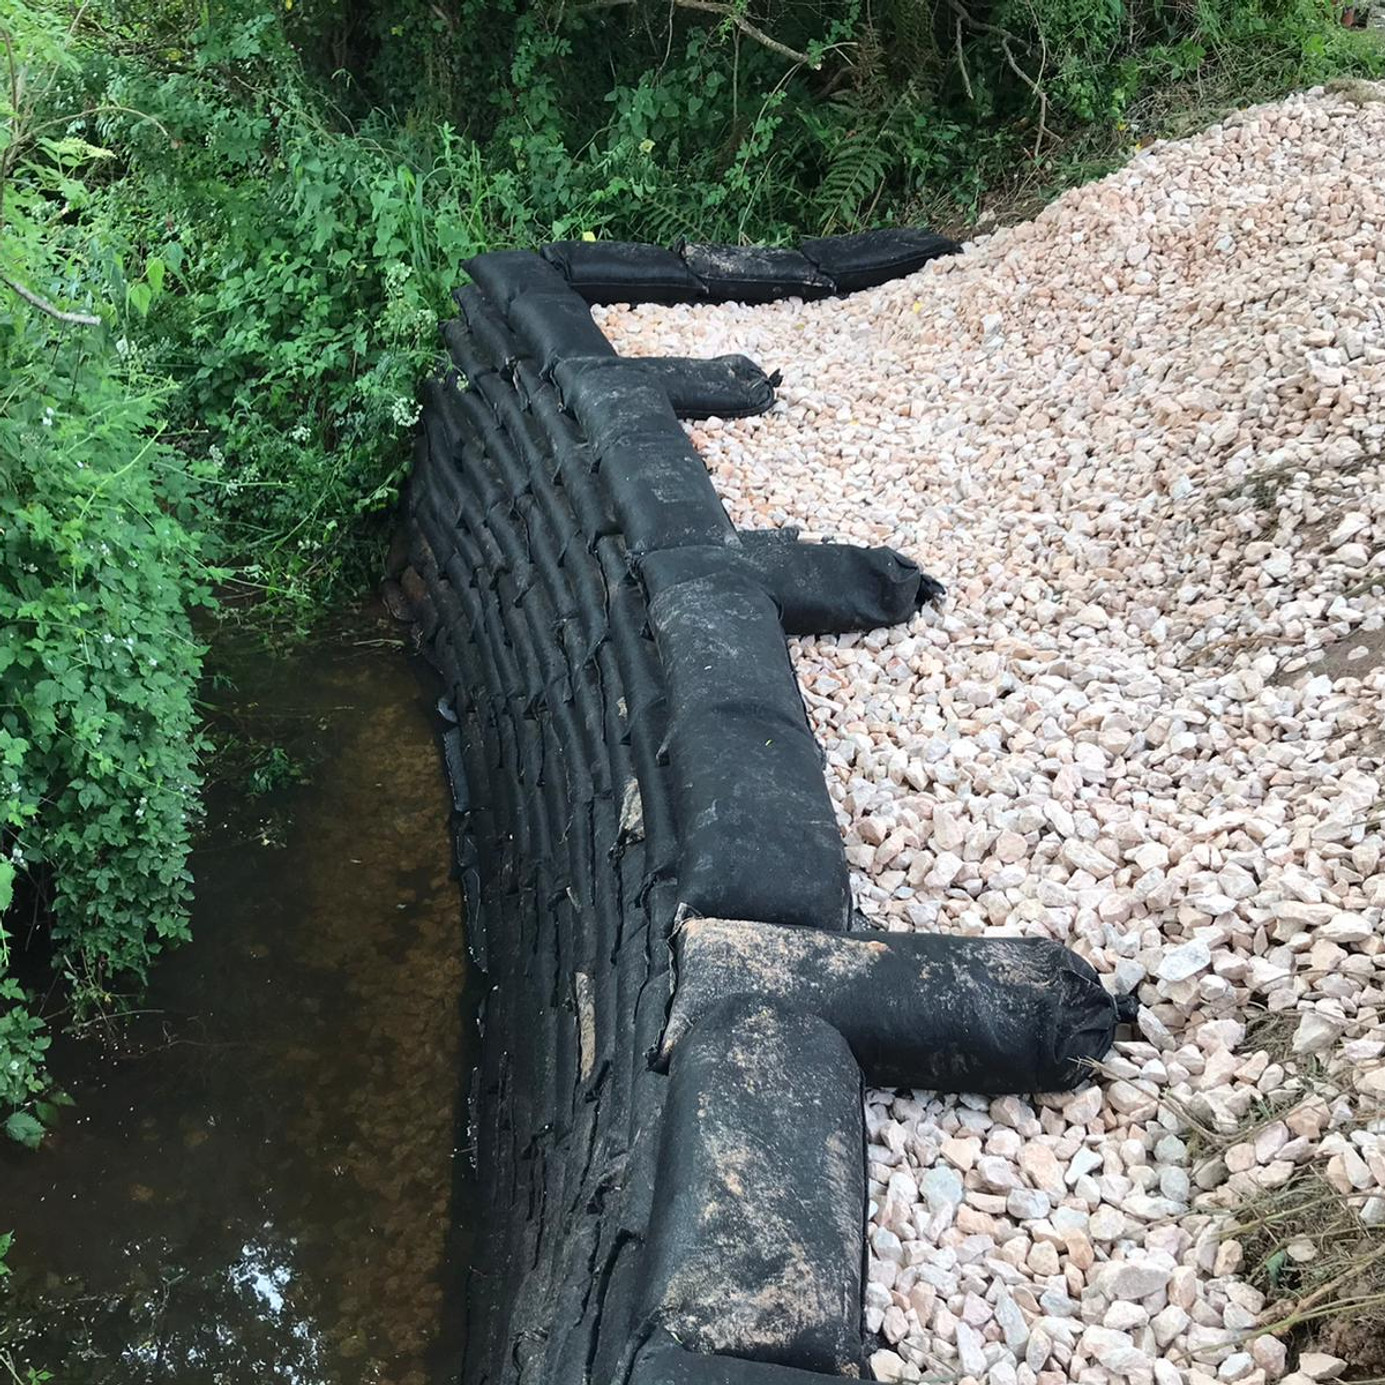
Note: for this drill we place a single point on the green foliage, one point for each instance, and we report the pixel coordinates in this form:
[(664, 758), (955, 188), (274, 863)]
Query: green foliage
[(98, 565), (300, 185), (274, 768)]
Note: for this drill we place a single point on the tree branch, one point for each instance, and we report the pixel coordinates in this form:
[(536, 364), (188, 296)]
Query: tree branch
[(44, 306), (1006, 39), (749, 30), (961, 61), (727, 12), (1034, 87)]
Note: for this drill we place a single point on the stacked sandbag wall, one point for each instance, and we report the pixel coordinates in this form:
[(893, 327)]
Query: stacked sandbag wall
[(678, 1021)]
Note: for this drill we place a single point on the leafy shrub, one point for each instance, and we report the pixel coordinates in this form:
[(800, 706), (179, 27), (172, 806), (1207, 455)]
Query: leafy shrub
[(98, 566)]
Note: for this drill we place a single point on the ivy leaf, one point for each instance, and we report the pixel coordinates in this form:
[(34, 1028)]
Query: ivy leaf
[(23, 1127), (154, 272), (139, 296)]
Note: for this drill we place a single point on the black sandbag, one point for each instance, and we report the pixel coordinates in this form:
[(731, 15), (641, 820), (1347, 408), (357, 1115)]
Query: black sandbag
[(496, 345), (868, 258), (454, 760), (441, 533), (533, 600), (755, 274), (474, 543), (503, 275), (698, 387), (657, 483), (820, 588), (630, 964), (441, 398), (473, 908), (661, 494), (500, 526), (605, 828), (754, 1249), (469, 359), (445, 485), (479, 477), (664, 1362), (568, 1056), (545, 551), (541, 400), (730, 386), (590, 593), (574, 481), (624, 272), (517, 426), (757, 832), (607, 673), (574, 462), (613, 400), (939, 1013), (566, 1340), (646, 718), (620, 1293), (661, 907), (589, 695), (555, 326), (834, 588)]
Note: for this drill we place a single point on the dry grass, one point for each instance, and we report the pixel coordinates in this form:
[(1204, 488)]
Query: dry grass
[(1305, 1245), (1321, 1267)]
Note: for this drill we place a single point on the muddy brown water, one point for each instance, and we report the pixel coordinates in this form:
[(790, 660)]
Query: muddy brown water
[(262, 1179)]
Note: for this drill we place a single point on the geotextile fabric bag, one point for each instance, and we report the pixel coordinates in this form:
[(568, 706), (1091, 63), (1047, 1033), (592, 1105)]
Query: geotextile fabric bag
[(713, 387), (820, 588), (755, 274), (757, 831), (870, 258), (755, 1243), (941, 1013), (622, 272), (503, 275)]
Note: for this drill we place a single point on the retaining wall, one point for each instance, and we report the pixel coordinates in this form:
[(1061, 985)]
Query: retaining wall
[(667, 1119)]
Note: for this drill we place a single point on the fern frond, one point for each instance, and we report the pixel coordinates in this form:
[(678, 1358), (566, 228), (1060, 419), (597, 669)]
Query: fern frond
[(856, 168)]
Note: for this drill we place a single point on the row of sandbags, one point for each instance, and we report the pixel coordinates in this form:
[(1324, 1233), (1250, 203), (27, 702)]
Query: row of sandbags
[(678, 1021)]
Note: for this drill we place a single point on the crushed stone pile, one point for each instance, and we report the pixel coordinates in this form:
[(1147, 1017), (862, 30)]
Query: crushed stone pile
[(1142, 440)]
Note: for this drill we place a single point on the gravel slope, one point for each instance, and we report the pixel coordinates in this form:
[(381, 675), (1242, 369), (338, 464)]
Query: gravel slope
[(1140, 438)]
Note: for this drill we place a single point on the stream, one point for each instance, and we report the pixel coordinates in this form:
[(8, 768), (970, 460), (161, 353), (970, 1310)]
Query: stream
[(262, 1179)]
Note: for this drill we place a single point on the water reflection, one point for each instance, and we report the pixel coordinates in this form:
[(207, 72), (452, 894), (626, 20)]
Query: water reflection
[(257, 1184)]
